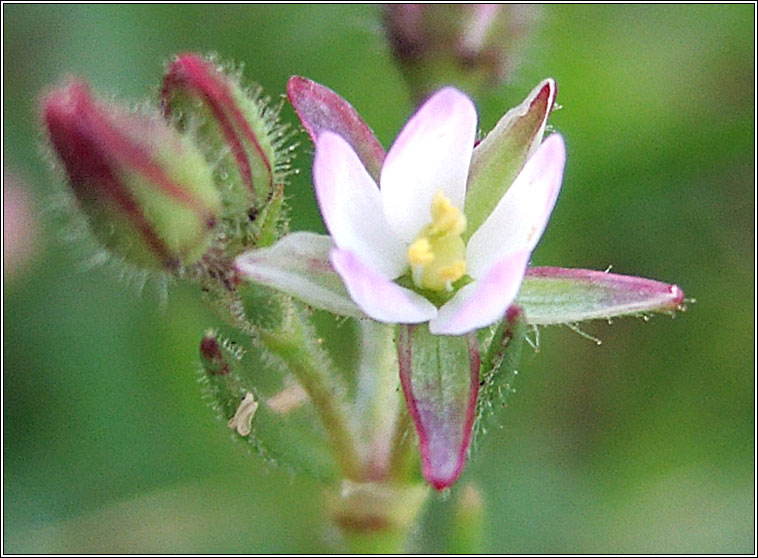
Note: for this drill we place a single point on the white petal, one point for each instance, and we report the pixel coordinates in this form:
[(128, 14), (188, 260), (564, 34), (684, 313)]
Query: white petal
[(377, 296), (352, 208), (484, 301), (299, 265), (520, 217), (433, 152)]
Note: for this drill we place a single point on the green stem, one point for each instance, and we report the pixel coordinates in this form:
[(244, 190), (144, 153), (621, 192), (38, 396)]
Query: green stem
[(376, 401), (384, 541), (403, 458), (466, 534), (295, 344)]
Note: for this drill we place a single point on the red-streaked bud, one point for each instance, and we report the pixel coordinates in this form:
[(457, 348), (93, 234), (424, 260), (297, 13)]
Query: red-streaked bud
[(235, 130), (471, 46), (146, 191)]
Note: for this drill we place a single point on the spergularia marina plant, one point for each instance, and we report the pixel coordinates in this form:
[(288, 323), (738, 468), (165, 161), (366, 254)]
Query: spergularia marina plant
[(425, 265)]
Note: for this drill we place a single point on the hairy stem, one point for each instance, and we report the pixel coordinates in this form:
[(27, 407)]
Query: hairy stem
[(376, 401), (404, 457), (295, 344)]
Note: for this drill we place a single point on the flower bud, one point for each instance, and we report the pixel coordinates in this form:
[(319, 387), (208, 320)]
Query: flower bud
[(146, 191), (233, 402), (211, 357), (235, 130), (471, 46)]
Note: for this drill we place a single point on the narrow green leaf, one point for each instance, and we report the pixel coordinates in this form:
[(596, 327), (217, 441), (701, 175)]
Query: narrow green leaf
[(239, 388)]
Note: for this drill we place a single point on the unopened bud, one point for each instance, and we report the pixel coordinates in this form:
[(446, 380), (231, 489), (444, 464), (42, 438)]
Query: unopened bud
[(230, 398), (471, 46), (235, 129), (211, 357), (146, 191)]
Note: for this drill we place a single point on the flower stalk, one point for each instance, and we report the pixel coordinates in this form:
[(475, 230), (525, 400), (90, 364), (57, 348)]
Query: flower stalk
[(376, 402), (295, 344)]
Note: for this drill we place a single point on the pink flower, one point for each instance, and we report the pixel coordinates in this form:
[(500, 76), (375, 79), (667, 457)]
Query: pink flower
[(503, 193), (439, 231), (403, 245)]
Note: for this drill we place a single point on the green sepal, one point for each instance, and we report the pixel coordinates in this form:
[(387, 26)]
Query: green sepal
[(439, 375), (499, 157), (554, 295), (499, 366)]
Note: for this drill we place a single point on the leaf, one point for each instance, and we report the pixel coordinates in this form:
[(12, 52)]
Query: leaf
[(554, 295), (319, 108), (498, 159), (440, 379)]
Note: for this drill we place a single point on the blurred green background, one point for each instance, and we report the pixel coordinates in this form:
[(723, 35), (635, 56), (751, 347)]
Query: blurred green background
[(642, 444)]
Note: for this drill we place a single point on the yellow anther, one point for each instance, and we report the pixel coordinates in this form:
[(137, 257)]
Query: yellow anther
[(437, 254), (452, 272), (420, 252), (446, 218)]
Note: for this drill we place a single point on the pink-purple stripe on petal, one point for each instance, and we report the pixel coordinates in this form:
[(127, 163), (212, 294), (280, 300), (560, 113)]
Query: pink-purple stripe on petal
[(377, 295)]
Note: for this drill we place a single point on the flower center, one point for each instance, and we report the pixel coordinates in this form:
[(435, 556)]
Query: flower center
[(437, 255)]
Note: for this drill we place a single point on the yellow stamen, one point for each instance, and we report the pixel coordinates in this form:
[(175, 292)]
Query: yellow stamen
[(446, 218), (420, 252), (437, 254), (452, 272)]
